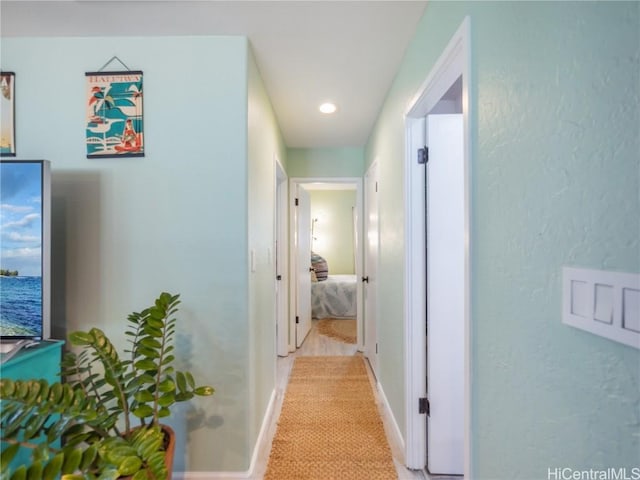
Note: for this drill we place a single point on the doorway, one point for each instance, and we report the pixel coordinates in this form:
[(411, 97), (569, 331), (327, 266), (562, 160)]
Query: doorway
[(445, 92), (300, 263)]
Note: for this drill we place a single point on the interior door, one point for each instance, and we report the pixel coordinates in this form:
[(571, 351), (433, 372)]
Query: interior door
[(445, 294), (371, 267), (281, 249), (303, 265)]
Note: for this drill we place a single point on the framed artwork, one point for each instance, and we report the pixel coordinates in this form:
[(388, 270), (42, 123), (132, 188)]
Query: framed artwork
[(114, 117), (7, 114)]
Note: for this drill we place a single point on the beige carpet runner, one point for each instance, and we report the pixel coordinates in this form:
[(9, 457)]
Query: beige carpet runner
[(329, 427), (344, 330)]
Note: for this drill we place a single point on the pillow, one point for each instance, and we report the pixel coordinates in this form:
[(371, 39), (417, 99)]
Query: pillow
[(320, 266)]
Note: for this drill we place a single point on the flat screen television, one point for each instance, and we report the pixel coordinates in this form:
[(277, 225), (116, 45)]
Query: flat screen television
[(25, 251)]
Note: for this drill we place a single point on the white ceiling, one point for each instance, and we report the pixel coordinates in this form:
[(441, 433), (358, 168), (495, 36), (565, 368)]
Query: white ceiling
[(308, 52)]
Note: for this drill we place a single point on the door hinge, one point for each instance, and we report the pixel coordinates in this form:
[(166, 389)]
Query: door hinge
[(296, 202), (423, 406), (376, 348), (376, 187), (423, 155), (297, 319)]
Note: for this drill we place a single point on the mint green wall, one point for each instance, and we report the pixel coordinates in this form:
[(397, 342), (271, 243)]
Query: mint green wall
[(265, 142), (325, 162), (333, 231), (176, 220), (555, 181)]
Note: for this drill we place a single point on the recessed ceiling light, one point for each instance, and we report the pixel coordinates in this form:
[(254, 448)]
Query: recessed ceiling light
[(328, 107)]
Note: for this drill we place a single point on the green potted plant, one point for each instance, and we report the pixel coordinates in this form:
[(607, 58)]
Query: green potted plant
[(104, 420)]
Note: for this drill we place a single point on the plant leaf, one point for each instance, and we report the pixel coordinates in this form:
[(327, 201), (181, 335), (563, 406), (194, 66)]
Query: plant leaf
[(7, 455), (146, 365), (204, 391), (181, 381), (167, 385), (72, 461), (35, 471), (20, 473), (129, 466), (80, 338), (143, 411), (52, 470)]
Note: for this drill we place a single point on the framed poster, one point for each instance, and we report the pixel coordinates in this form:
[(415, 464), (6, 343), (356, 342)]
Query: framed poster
[(7, 114), (114, 120)]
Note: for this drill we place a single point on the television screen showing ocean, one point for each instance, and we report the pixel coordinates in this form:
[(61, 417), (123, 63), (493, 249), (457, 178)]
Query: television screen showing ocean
[(21, 306)]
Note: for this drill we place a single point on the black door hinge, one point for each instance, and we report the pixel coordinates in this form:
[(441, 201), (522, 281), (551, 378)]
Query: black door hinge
[(423, 155), (296, 202), (297, 319), (423, 406)]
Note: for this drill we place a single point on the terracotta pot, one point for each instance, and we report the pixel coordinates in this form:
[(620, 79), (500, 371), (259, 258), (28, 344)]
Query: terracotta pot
[(170, 447)]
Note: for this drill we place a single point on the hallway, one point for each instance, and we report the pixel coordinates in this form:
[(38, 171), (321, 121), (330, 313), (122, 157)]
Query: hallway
[(316, 345)]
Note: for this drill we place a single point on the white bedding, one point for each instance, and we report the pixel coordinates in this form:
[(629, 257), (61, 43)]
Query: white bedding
[(334, 297)]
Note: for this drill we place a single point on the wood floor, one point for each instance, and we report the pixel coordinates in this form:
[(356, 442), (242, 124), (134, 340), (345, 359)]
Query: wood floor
[(318, 345)]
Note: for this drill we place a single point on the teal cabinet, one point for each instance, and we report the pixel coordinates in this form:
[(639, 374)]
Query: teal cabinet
[(40, 361)]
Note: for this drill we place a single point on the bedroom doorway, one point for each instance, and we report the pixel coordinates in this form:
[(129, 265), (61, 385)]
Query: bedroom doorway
[(344, 267)]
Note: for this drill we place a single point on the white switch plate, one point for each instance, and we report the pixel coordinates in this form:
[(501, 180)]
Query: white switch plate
[(602, 302)]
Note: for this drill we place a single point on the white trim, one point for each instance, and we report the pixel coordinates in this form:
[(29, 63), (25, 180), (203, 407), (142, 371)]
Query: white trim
[(261, 442), (415, 302), (293, 183), (263, 434), (395, 432), (209, 475), (453, 62), (281, 253)]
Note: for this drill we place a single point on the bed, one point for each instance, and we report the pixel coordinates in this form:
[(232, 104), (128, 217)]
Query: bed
[(334, 297)]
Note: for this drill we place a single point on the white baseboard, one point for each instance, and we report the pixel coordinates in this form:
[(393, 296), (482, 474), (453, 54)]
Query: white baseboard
[(395, 430), (210, 475), (248, 474)]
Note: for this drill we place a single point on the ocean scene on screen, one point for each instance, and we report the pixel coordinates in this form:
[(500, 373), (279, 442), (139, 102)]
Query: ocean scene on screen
[(20, 249), (21, 306)]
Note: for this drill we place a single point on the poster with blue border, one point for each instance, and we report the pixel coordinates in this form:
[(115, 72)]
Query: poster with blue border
[(114, 115)]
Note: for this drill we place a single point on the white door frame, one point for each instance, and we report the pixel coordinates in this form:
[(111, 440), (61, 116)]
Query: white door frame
[(452, 63), (281, 248), (293, 183)]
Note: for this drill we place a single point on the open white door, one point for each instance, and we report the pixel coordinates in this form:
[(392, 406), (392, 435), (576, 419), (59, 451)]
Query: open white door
[(371, 267), (445, 294), (281, 248), (303, 264)]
